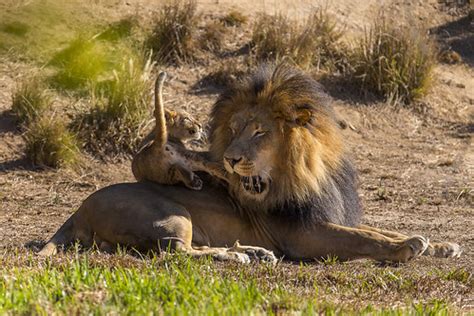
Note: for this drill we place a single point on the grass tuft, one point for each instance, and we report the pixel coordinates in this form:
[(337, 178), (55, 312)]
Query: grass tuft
[(311, 43), (273, 37), (49, 143), (30, 100), (174, 28), (212, 38), (394, 62), (234, 18), (120, 107)]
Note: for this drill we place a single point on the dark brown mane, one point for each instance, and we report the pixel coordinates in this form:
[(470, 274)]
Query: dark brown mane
[(316, 182)]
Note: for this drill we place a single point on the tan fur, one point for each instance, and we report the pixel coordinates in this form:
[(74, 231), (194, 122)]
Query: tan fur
[(271, 132), (164, 159)]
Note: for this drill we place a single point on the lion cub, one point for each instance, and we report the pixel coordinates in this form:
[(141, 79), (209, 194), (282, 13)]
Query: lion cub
[(164, 159)]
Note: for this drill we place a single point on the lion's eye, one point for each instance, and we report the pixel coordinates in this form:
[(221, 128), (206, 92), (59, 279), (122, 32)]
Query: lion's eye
[(259, 133)]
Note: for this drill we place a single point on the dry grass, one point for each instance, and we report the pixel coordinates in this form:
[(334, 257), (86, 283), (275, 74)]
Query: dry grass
[(234, 18), (212, 37), (173, 31), (311, 43), (49, 143), (120, 108), (30, 99), (394, 62), (226, 74)]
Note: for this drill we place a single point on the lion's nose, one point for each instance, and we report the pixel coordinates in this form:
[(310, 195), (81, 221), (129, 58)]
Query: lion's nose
[(233, 161)]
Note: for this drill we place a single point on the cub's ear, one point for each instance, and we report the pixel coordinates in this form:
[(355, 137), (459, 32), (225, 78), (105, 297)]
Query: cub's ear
[(170, 116), (303, 116)]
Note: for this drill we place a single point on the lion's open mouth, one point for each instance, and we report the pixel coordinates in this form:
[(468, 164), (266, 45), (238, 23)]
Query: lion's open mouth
[(254, 184)]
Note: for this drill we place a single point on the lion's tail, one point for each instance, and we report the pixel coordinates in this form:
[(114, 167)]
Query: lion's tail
[(161, 132), (65, 235)]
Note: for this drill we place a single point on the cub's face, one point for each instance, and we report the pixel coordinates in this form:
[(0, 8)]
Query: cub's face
[(251, 152), (182, 126)]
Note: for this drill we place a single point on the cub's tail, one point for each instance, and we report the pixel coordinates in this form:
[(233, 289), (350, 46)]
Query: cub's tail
[(161, 132)]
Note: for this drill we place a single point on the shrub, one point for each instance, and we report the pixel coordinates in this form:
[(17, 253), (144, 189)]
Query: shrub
[(212, 37), (172, 36), (272, 37), (49, 143), (314, 42), (234, 18), (120, 107), (30, 100), (394, 62)]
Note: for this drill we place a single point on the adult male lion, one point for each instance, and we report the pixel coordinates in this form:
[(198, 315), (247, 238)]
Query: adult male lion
[(292, 189)]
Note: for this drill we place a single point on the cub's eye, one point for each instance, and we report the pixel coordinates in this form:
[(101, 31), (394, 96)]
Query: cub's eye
[(259, 133)]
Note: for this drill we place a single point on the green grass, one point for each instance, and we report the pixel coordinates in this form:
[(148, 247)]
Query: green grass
[(83, 61), (92, 283), (49, 143), (119, 109), (33, 30), (394, 62), (30, 99)]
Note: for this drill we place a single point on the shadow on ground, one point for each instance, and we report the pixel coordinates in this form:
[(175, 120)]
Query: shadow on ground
[(8, 123), (459, 36)]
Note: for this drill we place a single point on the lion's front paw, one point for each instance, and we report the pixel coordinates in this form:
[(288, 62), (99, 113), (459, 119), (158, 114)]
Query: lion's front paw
[(256, 253), (412, 247), (233, 256), (443, 250), (261, 254)]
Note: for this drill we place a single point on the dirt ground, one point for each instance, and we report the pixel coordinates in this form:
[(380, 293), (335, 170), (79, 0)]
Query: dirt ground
[(416, 165)]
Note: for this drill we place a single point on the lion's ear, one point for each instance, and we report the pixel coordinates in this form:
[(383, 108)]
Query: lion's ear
[(303, 116)]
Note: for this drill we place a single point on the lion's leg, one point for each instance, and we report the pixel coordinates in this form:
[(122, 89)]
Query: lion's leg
[(73, 229), (386, 233), (353, 243), (435, 249)]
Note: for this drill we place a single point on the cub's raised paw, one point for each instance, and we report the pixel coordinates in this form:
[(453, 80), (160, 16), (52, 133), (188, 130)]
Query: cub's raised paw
[(196, 183), (443, 250)]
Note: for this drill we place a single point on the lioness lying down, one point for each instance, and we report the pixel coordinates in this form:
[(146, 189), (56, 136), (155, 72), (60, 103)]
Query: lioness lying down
[(292, 188)]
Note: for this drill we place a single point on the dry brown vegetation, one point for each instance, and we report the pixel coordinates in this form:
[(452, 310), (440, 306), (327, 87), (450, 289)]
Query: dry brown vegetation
[(49, 143), (415, 162), (310, 43), (234, 18), (394, 61), (30, 99), (173, 31), (114, 123)]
